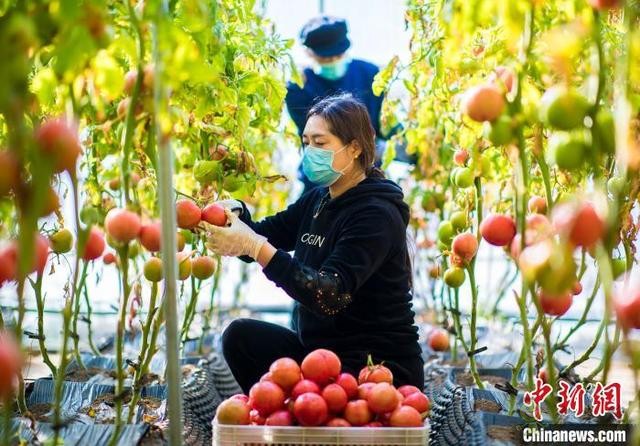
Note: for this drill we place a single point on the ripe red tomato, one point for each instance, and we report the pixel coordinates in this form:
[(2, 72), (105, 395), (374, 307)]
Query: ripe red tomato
[(418, 401), (122, 225), (188, 214), (59, 141), (555, 305), (349, 383), (203, 267), (240, 396), (405, 416), (382, 398), (8, 263), (407, 390), (286, 373), (577, 288), (483, 103), (465, 245), (109, 258), (214, 214), (321, 366), (150, 236), (580, 223), (438, 340), (266, 397), (537, 205), (626, 301), (604, 4), (279, 418), (375, 373), (310, 409), (338, 422), (305, 386), (95, 244), (41, 253), (364, 389), (11, 360), (336, 397), (498, 229), (357, 412), (460, 157), (373, 424), (10, 169), (233, 411)]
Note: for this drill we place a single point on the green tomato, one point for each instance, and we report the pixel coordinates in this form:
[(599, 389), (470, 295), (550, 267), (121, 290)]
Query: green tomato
[(445, 232), (499, 132), (61, 241), (89, 215), (604, 132), (616, 185), (153, 269), (429, 202), (232, 183), (459, 220), (619, 267), (563, 109), (454, 277), (134, 250), (566, 151), (464, 178), (206, 172)]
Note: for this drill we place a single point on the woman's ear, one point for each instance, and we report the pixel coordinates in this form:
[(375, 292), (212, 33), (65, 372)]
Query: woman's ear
[(354, 149)]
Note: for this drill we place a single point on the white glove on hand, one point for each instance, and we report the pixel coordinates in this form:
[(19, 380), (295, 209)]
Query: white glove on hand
[(235, 239)]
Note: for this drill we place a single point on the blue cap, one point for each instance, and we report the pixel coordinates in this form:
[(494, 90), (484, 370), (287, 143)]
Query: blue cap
[(326, 36)]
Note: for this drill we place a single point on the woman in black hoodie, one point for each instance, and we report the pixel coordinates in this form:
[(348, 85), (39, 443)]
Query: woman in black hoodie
[(350, 274)]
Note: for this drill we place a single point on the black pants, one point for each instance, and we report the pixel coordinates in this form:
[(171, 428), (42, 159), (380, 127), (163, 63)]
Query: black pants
[(250, 346)]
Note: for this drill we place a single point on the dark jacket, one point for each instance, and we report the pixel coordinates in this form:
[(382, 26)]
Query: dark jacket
[(350, 274)]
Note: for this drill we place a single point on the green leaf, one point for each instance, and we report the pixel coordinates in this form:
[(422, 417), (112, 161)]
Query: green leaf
[(389, 153)]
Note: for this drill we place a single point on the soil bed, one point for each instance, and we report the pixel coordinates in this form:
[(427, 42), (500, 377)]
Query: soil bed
[(466, 379), (509, 434), (487, 406)]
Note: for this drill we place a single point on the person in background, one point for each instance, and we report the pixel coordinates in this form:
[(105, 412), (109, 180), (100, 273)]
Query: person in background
[(333, 72)]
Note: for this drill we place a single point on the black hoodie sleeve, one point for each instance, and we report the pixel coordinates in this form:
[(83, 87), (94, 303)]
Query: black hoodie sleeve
[(362, 246)]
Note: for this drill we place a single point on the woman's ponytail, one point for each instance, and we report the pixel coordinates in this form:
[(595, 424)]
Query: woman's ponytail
[(374, 172)]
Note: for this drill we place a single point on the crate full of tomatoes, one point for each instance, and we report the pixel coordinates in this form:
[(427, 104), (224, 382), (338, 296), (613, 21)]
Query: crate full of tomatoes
[(315, 403)]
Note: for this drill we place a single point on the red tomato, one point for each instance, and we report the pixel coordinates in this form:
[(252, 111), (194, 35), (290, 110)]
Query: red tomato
[(310, 409), (59, 141), (10, 172), (266, 377), (266, 397), (555, 305), (405, 416), (375, 374), (349, 383), (109, 258), (42, 252), (498, 229), (580, 223), (122, 225), (465, 245), (130, 81), (150, 236), (240, 396), (286, 373), (438, 340), (576, 289), (357, 413), (604, 4), (407, 390), (503, 78), (305, 386), (279, 418), (364, 389), (373, 424), (338, 422), (537, 205), (321, 366), (188, 214), (203, 267), (418, 401), (336, 397), (214, 214), (8, 263), (460, 157), (11, 360), (382, 398), (95, 244), (626, 301), (233, 411), (483, 103)]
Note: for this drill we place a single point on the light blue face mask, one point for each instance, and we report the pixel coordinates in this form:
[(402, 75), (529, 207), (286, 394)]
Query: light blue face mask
[(334, 70), (317, 165)]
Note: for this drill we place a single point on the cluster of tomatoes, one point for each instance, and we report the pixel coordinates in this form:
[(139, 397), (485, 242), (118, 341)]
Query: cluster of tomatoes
[(316, 393)]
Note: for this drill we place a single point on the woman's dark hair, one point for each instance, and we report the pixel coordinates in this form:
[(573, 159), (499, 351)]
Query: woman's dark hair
[(348, 119)]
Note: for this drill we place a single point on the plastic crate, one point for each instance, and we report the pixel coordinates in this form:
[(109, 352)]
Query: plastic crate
[(227, 435)]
